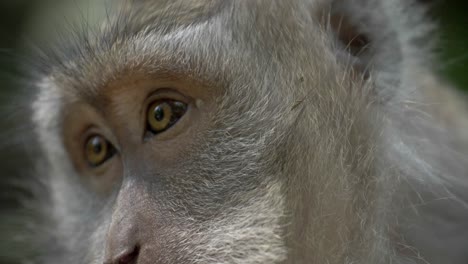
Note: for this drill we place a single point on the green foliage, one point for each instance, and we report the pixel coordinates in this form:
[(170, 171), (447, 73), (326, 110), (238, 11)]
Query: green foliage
[(454, 41)]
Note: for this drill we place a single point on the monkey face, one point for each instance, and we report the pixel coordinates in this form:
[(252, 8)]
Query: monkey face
[(171, 159), (186, 141), (165, 170), (224, 132)]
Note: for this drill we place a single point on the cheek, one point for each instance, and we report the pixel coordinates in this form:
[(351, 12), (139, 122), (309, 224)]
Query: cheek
[(97, 241), (82, 221), (203, 190), (252, 229), (106, 182)]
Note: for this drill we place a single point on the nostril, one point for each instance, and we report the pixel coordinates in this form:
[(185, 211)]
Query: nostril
[(126, 257)]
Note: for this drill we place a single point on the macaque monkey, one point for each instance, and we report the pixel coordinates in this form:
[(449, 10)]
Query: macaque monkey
[(248, 132)]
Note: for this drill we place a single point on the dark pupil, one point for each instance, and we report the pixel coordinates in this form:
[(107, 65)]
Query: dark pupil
[(97, 145), (159, 113)]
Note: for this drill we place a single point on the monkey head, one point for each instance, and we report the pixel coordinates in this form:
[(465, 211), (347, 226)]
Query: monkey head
[(229, 132)]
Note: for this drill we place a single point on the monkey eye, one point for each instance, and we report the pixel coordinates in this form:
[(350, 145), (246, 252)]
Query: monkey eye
[(163, 114), (98, 150)]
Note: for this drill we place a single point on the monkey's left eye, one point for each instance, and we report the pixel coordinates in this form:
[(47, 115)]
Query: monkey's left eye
[(98, 150), (163, 114)]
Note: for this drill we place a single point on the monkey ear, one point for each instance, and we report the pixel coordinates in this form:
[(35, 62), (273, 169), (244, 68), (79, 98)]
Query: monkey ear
[(381, 39)]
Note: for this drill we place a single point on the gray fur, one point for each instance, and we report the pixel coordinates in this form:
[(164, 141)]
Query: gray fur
[(307, 161)]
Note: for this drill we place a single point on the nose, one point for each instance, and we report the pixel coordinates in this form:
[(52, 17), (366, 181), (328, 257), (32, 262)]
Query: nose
[(125, 257), (122, 246), (126, 237), (123, 242)]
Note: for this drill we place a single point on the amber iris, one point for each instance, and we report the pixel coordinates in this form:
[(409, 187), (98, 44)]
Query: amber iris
[(98, 150), (163, 114)]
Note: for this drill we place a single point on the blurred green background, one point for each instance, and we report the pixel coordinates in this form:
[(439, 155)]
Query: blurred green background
[(453, 48)]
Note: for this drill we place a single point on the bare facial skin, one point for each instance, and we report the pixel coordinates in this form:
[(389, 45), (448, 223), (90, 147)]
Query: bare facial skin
[(260, 131)]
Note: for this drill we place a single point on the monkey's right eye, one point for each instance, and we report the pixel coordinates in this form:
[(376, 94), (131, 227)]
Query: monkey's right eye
[(98, 150)]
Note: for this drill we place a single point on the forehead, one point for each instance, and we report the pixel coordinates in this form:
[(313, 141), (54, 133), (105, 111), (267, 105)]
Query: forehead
[(139, 38), (201, 38), (170, 14)]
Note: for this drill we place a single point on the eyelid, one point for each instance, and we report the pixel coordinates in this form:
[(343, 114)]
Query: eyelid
[(164, 93)]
